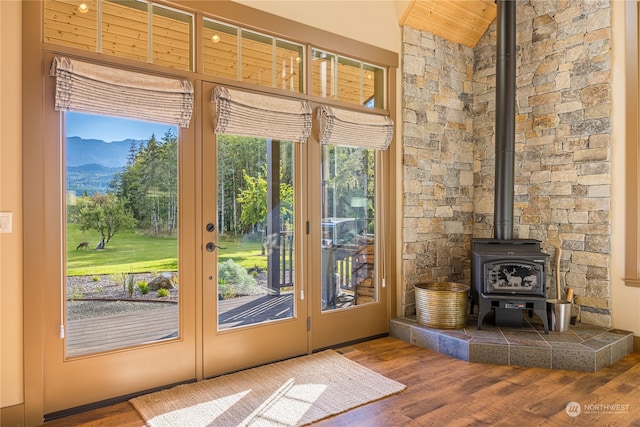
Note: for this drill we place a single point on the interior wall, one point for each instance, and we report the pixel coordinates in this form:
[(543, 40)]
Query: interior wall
[(374, 25), (625, 300), (11, 288)]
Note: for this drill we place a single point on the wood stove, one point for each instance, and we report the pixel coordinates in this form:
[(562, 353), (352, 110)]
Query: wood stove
[(507, 274)]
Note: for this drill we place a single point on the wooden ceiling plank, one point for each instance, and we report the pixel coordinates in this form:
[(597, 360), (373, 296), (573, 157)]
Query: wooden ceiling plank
[(407, 12), (459, 21)]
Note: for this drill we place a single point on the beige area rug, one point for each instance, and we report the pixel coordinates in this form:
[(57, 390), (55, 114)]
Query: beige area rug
[(293, 392)]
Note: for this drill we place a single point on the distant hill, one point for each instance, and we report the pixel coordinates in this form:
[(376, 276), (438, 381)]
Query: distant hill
[(92, 163), (94, 151), (91, 178)]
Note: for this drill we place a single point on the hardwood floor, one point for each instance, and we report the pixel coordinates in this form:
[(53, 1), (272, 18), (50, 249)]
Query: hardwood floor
[(443, 391)]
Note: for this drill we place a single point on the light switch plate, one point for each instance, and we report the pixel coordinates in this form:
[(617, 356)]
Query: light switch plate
[(6, 219)]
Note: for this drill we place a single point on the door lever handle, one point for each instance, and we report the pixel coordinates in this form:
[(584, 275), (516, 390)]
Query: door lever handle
[(212, 247)]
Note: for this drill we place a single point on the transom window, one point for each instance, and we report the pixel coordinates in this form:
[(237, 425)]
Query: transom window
[(131, 29), (240, 54), (348, 80), (144, 31)]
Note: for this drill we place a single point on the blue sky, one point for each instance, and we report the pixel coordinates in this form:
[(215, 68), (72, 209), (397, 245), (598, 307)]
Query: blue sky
[(89, 126)]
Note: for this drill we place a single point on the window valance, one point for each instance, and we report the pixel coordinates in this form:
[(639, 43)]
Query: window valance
[(90, 88), (250, 114), (352, 128)]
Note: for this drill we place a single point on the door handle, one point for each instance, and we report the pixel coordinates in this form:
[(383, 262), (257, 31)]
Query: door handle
[(212, 247)]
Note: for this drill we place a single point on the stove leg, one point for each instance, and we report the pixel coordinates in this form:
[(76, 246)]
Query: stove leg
[(483, 309), (542, 313)]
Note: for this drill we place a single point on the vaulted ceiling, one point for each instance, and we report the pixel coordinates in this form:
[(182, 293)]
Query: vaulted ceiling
[(460, 21)]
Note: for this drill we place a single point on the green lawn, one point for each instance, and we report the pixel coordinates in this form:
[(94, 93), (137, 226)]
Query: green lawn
[(243, 250), (135, 252)]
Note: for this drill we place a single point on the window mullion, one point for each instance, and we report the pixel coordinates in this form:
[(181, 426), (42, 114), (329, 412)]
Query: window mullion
[(240, 36), (99, 26), (150, 33)]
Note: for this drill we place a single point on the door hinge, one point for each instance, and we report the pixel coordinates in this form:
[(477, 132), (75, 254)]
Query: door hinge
[(308, 227), (308, 324)]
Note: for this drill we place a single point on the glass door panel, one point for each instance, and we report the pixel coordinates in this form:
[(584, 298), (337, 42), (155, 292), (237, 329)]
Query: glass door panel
[(120, 218), (348, 227), (349, 300), (256, 231), (121, 233)]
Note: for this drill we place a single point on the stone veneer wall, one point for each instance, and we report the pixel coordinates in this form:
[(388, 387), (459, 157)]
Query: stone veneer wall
[(437, 102), (563, 150)]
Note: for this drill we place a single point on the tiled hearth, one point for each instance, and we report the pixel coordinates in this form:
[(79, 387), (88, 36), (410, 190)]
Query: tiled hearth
[(582, 348)]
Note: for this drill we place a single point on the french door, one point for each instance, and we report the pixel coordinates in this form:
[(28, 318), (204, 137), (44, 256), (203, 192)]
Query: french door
[(255, 307), (276, 253), (276, 210), (349, 299), (121, 250)]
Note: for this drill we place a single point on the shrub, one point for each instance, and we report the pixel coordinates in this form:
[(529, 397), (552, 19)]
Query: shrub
[(143, 287), (96, 278), (120, 279), (163, 292), (233, 280)]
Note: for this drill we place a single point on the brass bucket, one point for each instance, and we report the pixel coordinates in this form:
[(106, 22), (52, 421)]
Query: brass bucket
[(441, 305)]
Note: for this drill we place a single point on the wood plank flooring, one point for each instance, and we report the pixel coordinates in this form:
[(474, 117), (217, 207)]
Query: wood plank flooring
[(443, 391)]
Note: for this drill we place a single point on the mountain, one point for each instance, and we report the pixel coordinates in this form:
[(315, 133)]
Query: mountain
[(92, 178), (94, 151), (92, 163)]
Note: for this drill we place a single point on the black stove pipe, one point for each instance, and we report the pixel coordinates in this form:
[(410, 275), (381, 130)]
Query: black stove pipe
[(505, 119)]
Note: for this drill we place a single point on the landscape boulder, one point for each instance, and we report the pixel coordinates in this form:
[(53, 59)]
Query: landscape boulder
[(160, 282)]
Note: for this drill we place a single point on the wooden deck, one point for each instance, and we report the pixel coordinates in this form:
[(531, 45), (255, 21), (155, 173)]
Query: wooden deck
[(244, 311), (96, 334)]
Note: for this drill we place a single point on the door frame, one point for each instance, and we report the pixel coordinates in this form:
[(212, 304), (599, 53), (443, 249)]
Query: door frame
[(109, 373), (338, 326), (239, 348)]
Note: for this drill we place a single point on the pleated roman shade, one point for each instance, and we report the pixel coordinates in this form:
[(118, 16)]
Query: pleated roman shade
[(250, 114), (90, 88), (355, 129)]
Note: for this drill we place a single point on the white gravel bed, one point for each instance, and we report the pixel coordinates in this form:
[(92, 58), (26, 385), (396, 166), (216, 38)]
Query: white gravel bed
[(98, 308), (100, 295)]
